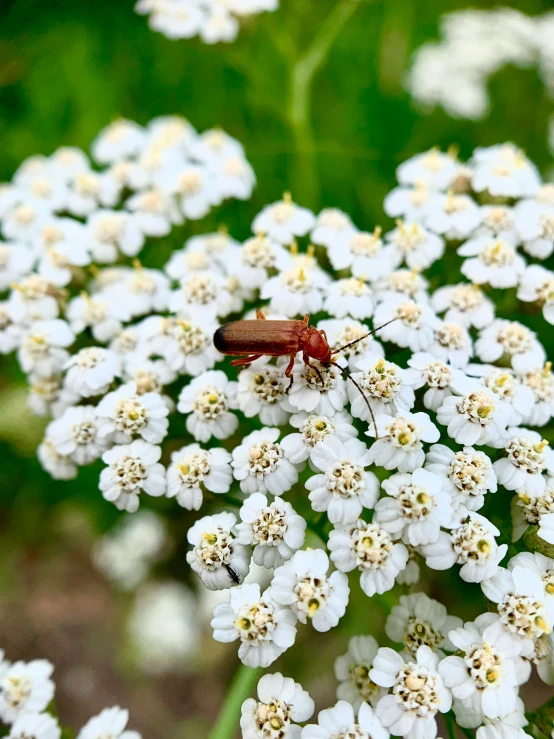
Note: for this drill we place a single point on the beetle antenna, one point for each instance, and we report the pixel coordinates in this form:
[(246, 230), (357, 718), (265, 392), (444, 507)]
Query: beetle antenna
[(364, 396), (351, 343)]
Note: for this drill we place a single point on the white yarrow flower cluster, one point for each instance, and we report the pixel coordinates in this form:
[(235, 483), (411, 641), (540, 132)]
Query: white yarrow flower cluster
[(327, 454)]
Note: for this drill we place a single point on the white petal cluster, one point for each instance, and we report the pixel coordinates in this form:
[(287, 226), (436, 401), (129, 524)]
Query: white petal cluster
[(213, 21), (26, 692)]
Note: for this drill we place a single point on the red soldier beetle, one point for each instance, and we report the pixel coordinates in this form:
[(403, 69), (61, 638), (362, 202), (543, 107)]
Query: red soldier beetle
[(282, 338)]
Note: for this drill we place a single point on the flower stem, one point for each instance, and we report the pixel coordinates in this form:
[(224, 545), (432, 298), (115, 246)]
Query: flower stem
[(300, 109), (227, 722)]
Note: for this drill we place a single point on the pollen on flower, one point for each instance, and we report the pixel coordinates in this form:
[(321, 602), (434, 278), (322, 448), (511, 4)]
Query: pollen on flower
[(473, 542), (416, 690), (345, 479), (315, 428)]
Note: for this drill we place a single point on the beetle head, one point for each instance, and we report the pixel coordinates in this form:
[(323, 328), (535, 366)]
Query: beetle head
[(317, 346)]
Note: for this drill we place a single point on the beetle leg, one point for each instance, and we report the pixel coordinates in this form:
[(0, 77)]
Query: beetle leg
[(306, 359), (245, 360), (288, 372), (259, 315)]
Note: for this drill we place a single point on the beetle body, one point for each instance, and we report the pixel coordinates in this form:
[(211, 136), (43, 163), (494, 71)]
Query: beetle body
[(261, 338), (274, 339)]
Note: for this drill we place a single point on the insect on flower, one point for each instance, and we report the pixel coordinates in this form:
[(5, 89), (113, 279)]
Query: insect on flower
[(282, 338)]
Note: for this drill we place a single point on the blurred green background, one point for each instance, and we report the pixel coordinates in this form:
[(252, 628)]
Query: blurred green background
[(66, 70)]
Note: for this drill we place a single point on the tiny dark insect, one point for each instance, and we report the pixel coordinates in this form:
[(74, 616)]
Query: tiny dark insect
[(232, 574), (258, 338)]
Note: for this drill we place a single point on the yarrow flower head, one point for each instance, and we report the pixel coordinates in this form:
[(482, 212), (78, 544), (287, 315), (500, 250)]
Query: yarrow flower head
[(286, 506)]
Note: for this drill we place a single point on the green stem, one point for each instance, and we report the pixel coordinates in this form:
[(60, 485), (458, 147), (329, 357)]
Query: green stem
[(228, 720), (300, 109), (450, 726), (534, 543)]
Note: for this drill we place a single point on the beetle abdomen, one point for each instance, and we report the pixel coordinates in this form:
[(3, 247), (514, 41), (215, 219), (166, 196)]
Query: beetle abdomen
[(272, 338)]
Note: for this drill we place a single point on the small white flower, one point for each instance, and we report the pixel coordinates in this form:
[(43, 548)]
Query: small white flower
[(295, 291), (217, 556), (514, 397), (468, 475), (155, 211), (281, 703), (418, 620), (523, 606), (312, 429), (498, 221), (331, 226), (417, 694), (474, 417), (25, 687), (202, 291), (538, 563), (346, 487), (59, 466), (207, 399), (124, 414), (451, 343), (284, 220), (471, 544), (250, 264), (527, 457), (465, 304), (511, 339), (412, 203), (370, 548), (103, 314), (35, 726), (76, 434), (261, 391), (400, 440), (349, 296), (535, 226), (541, 383), (438, 376), (491, 261), (110, 722), (505, 171), (110, 232), (417, 508), (412, 326), (365, 254), (409, 284), (433, 168), (453, 216), (265, 628), (275, 530), (317, 388), (42, 350), (340, 722), (261, 465), (537, 285), (16, 262), (386, 386), (33, 299), (185, 344), (91, 371), (414, 245), (192, 468), (303, 585), (132, 468), (119, 140), (487, 673), (352, 672)]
